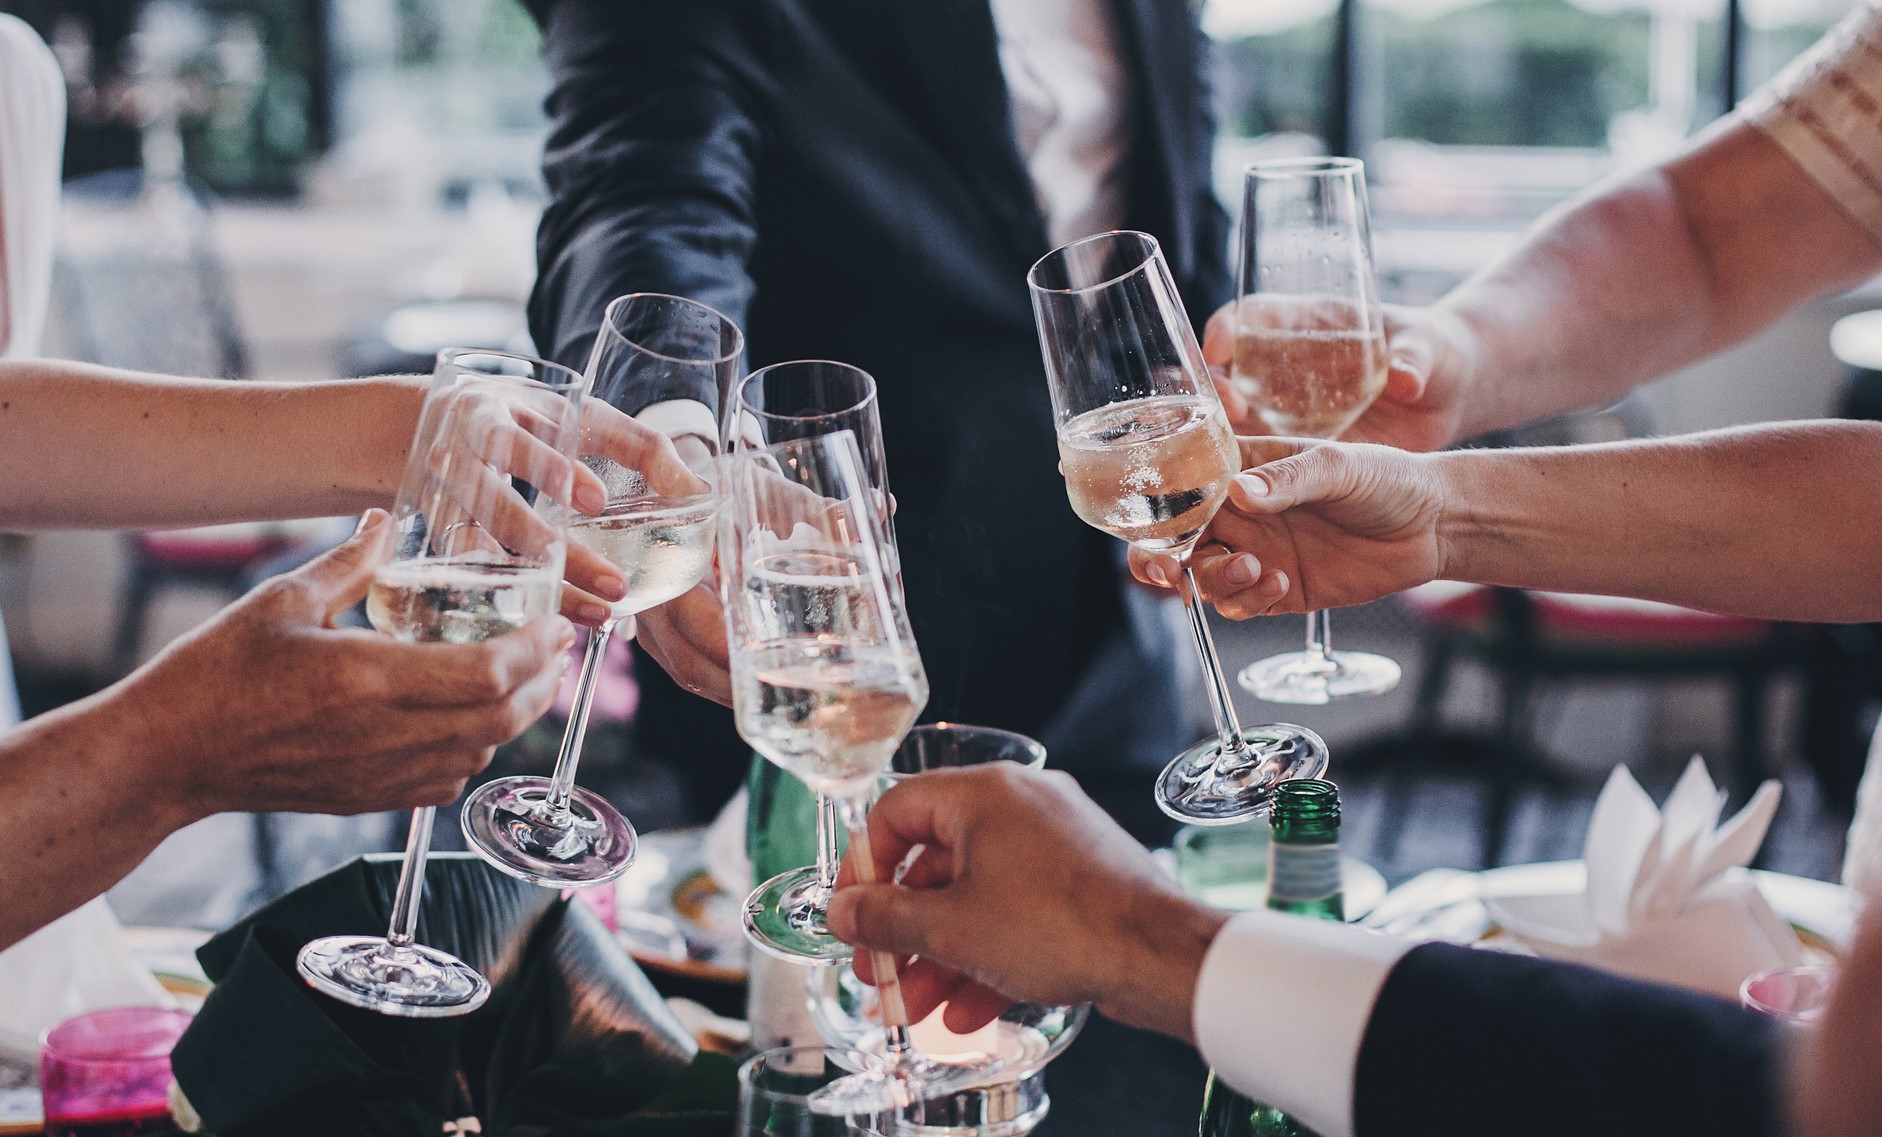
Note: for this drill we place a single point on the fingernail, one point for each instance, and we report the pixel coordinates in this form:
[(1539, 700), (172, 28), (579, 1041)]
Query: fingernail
[(369, 520), (1156, 574), (1252, 485), (1242, 571), (838, 918), (591, 499), (612, 587), (593, 614)]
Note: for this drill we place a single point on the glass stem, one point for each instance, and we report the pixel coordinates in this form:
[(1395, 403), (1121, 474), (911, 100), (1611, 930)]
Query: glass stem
[(1319, 635), (562, 782), (829, 857), (404, 929), (888, 979), (1228, 727)]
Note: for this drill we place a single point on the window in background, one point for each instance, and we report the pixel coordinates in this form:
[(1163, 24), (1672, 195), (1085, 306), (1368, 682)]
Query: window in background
[(1777, 30)]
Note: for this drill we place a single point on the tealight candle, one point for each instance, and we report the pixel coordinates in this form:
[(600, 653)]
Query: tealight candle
[(932, 1037)]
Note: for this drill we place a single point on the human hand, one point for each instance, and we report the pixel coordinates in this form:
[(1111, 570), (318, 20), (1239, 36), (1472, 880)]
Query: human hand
[(1422, 406), (1313, 525), (270, 707), (1026, 891), (686, 637)]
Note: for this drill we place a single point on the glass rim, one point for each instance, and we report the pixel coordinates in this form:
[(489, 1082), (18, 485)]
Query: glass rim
[(745, 407), (1153, 252), (1302, 167), (451, 357), (1028, 743), (51, 1037), (748, 1069), (1824, 973), (608, 328)]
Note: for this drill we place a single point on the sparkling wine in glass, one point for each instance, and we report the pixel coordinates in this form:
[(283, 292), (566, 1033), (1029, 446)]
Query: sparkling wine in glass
[(1310, 356), (827, 695), (1148, 455), (481, 542), (808, 399), (550, 831)]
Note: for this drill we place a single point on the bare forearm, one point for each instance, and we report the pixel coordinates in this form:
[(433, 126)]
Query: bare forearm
[(84, 446), (1776, 521), (1648, 275), (77, 811)]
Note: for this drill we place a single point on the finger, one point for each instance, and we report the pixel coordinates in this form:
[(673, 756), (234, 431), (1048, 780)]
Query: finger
[(338, 579), (1218, 336), (1259, 449), (611, 434), (1411, 358), (466, 675), (925, 986), (686, 636), (972, 1006), (1225, 572), (593, 573), (1314, 475), (1155, 568), (1261, 599), (886, 917)]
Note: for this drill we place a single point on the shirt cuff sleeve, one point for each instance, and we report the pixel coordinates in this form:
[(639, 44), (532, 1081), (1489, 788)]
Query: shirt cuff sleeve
[(1281, 1009), (677, 418)]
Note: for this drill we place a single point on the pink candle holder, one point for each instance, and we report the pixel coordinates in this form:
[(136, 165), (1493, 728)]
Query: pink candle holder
[(1796, 995), (107, 1073)]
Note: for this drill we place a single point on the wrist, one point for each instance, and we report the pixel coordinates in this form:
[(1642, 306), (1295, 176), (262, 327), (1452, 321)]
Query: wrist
[(1153, 984), (387, 421)]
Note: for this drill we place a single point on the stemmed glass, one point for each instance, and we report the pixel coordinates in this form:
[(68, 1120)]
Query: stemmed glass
[(826, 679), (550, 831), (776, 1088), (808, 399), (1148, 455), (1310, 356), (481, 541)]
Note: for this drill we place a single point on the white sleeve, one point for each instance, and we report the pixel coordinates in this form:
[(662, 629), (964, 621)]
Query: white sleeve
[(1281, 1009), (1825, 112), (677, 418)]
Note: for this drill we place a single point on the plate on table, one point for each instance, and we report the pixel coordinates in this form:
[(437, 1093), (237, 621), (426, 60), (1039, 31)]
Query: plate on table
[(1447, 904), (672, 914)]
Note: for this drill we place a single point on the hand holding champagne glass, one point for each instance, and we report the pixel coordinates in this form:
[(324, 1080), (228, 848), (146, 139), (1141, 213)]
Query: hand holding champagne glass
[(826, 679), (1148, 455), (481, 542), (550, 831), (1310, 357)]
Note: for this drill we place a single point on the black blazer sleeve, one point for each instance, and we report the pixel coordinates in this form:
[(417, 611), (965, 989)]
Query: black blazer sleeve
[(1465, 1043), (650, 163)]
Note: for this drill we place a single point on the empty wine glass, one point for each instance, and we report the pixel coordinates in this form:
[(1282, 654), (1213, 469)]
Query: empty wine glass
[(1310, 356), (826, 679), (550, 831), (1148, 455), (481, 541), (808, 399)]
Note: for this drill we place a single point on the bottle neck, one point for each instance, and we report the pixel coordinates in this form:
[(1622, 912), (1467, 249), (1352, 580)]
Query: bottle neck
[(1304, 878)]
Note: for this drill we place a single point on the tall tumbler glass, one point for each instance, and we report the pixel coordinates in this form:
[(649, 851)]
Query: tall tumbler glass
[(1310, 356), (776, 1087), (481, 542), (550, 831), (782, 403), (1148, 455)]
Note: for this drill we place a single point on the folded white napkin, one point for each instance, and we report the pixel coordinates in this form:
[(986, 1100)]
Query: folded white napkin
[(79, 962), (1667, 896)]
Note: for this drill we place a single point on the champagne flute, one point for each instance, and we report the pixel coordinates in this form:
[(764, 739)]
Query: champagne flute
[(826, 680), (481, 540), (808, 399), (1148, 455), (1310, 356), (550, 831)]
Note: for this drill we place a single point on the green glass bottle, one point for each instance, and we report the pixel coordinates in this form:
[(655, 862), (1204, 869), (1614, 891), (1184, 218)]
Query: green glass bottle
[(1303, 878)]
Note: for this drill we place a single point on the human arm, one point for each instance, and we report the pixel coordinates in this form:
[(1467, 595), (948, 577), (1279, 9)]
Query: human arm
[(266, 707), (1767, 521)]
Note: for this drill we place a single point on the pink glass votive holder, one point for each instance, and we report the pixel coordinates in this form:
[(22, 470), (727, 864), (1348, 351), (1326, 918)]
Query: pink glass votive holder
[(108, 1072), (1796, 995)]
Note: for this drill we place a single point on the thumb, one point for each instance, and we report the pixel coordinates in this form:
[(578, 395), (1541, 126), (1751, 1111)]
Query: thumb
[(338, 579), (1410, 360), (886, 917), (1314, 474)]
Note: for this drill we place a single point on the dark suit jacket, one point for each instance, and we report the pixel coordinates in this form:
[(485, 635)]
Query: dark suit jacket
[(840, 177), (1464, 1043)]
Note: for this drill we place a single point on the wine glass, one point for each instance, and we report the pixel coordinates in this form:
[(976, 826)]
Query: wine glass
[(775, 1091), (1147, 455), (550, 831), (807, 399), (826, 679), (1310, 356), (481, 540)]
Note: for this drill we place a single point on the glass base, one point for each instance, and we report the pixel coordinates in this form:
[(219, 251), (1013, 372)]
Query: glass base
[(1195, 790), (906, 1080), (1305, 679), (508, 823), (784, 917), (413, 982)]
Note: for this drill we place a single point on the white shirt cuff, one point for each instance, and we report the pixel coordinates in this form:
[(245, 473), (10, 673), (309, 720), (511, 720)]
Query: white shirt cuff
[(1281, 1009), (677, 418)]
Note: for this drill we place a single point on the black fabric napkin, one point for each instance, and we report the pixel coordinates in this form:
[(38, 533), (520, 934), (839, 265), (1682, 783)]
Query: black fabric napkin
[(574, 1040)]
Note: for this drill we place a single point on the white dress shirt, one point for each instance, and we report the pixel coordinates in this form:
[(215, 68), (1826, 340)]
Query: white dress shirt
[(1281, 1009), (32, 139), (1825, 111), (1070, 94)]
